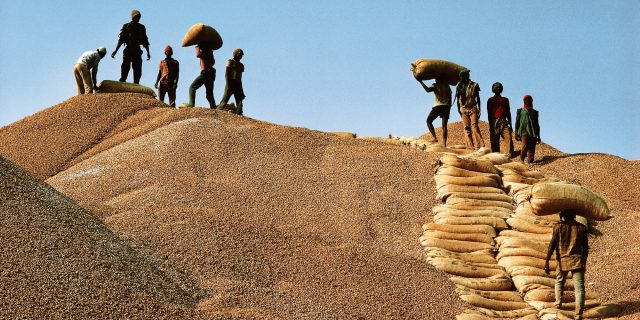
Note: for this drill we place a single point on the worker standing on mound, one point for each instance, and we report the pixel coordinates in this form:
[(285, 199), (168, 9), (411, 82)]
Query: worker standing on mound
[(132, 35), (168, 77), (499, 116), (527, 129), (86, 70), (571, 246), (233, 81), (441, 107), (207, 76), (468, 97)]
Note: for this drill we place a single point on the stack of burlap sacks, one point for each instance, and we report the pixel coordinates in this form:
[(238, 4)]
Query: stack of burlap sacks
[(461, 242)]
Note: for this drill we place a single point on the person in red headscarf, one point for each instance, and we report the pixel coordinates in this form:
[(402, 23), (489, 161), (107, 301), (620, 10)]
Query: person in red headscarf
[(168, 77), (527, 129)]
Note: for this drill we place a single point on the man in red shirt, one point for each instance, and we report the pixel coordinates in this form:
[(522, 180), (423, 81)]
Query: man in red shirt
[(499, 115), (168, 77), (207, 76)]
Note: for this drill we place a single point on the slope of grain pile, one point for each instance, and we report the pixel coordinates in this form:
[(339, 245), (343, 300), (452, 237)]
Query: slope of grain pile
[(271, 221), (58, 261)]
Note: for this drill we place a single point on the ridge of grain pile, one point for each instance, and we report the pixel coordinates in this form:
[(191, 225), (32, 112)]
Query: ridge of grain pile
[(461, 242), (522, 250)]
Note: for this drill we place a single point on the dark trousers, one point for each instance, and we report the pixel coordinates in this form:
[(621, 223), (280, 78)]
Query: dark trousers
[(206, 79), (527, 148), (131, 61), (165, 88)]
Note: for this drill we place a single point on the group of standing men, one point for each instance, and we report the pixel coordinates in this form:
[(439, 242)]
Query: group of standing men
[(133, 35), (467, 96)]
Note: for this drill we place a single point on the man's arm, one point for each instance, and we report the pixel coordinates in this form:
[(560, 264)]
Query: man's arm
[(553, 245), (120, 41), (509, 115), (477, 97), (517, 124), (536, 126), (159, 75), (148, 54), (175, 84), (457, 100), (489, 113)]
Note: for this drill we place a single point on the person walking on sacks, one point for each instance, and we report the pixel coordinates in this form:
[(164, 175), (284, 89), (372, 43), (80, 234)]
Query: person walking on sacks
[(527, 129), (499, 116), (441, 107), (132, 35), (168, 77), (468, 98), (233, 81), (571, 247), (86, 70)]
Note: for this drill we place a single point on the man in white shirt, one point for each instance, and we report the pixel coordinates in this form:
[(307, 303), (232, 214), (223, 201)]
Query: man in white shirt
[(85, 81)]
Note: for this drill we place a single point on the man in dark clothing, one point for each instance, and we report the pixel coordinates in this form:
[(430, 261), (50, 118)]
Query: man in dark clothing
[(207, 76), (132, 35), (499, 115), (571, 246), (527, 129), (233, 78), (168, 76)]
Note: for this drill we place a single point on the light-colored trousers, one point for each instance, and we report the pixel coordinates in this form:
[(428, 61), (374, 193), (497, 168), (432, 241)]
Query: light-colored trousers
[(578, 285), (471, 128), (83, 78)]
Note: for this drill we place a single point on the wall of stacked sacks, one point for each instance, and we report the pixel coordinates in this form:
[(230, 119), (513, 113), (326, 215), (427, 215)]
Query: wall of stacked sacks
[(488, 237)]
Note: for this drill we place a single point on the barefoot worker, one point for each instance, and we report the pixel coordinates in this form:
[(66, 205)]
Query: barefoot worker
[(499, 116), (527, 129), (233, 81), (86, 70), (168, 77), (132, 35), (570, 245), (441, 107), (468, 97)]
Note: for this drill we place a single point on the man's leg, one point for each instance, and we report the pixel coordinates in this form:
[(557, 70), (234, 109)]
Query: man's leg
[(208, 85), (507, 145), (466, 122), (432, 116), (476, 129), (137, 69), (77, 73), (197, 83), (523, 146), (532, 149), (561, 277), (238, 100), (578, 284), (162, 90), (445, 132), (494, 139), (225, 97), (124, 68), (86, 79), (171, 90)]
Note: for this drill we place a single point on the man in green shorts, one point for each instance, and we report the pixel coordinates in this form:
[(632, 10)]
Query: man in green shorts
[(441, 107)]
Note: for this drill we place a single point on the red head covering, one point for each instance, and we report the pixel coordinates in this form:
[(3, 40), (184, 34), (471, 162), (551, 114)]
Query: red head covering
[(530, 104), (167, 49)]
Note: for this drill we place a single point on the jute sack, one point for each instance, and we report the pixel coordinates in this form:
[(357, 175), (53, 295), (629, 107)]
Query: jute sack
[(512, 314), (109, 86), (427, 69), (496, 295), (526, 235), (496, 158), (486, 284), (460, 228), (482, 196), (448, 170), (540, 305), (603, 311), (553, 197), (482, 302), (528, 226), (456, 245), (521, 169), (530, 271), (519, 252), (513, 187), (457, 268), (479, 153), (513, 242), (483, 181), (473, 257), (512, 176), (497, 223), (499, 270), (548, 295), (469, 164), (528, 283), (473, 237), (537, 220), (523, 195), (480, 203), (516, 261), (468, 316), (348, 135), (470, 207), (202, 35), (469, 213)]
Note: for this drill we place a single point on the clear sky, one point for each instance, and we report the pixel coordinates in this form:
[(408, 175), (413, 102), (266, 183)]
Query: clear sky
[(336, 65)]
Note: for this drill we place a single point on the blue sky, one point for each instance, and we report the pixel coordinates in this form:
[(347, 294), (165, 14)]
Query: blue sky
[(344, 65)]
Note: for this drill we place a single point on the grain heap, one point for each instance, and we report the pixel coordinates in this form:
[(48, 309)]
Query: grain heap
[(58, 261)]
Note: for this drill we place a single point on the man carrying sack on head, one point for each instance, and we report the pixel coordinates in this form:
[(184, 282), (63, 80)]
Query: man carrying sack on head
[(132, 35), (571, 246), (468, 97)]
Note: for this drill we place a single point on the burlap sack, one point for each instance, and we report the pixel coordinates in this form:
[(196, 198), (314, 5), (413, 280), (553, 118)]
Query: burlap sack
[(497, 223), (445, 191), (495, 295), (486, 284), (455, 245), (473, 237), (469, 164), (480, 203), (482, 196), (348, 135), (202, 35), (461, 269), (517, 261), (483, 181), (109, 86), (528, 226), (499, 305), (521, 169), (508, 242), (569, 306), (531, 271), (473, 257), (496, 158), (427, 69), (469, 213), (553, 197), (604, 311), (460, 228), (470, 207), (449, 170), (518, 252), (548, 295), (513, 187), (511, 314), (525, 235), (525, 284)]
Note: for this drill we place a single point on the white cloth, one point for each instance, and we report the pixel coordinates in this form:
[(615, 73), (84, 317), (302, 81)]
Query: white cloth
[(90, 59), (442, 93)]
